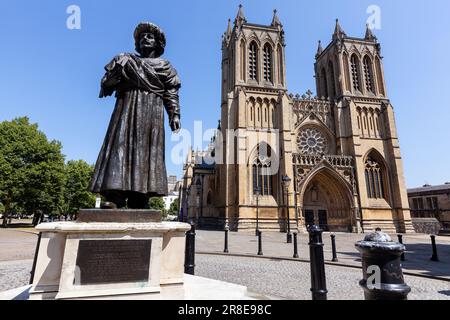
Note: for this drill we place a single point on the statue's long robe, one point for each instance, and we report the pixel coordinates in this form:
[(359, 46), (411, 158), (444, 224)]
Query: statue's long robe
[(132, 157)]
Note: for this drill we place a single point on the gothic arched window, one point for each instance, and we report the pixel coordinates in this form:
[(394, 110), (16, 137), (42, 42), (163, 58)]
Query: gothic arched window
[(267, 63), (242, 60), (356, 78), (253, 61), (280, 65), (379, 76), (368, 75), (332, 79), (261, 171), (374, 179), (346, 74), (324, 83)]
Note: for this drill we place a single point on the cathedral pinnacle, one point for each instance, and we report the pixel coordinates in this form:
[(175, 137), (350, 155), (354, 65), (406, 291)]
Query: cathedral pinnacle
[(229, 30), (339, 33), (240, 18), (369, 34), (319, 49), (276, 21)]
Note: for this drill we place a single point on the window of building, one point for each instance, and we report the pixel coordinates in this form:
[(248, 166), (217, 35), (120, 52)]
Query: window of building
[(415, 204), (332, 79), (355, 73), (262, 176), (280, 65), (324, 83), (435, 203), (253, 61), (432, 203), (420, 203), (267, 63), (429, 203), (368, 75), (379, 76), (242, 60), (374, 179)]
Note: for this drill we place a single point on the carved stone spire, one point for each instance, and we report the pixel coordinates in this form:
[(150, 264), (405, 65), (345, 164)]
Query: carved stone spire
[(229, 31), (369, 34), (276, 21), (240, 18), (339, 33), (319, 49)]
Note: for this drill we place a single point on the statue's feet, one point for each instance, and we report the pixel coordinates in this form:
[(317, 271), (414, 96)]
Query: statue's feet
[(108, 205)]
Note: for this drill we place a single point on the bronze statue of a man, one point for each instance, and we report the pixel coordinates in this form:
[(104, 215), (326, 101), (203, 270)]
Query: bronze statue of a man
[(131, 165)]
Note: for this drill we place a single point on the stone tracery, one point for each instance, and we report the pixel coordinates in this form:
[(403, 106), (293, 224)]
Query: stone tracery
[(312, 141)]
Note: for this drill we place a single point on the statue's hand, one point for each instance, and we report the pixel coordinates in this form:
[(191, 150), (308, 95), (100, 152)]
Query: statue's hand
[(175, 124)]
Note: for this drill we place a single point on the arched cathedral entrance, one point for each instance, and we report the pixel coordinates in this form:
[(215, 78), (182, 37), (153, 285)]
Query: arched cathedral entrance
[(327, 200)]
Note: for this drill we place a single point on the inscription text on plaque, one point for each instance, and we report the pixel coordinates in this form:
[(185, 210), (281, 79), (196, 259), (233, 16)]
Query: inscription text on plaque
[(113, 261)]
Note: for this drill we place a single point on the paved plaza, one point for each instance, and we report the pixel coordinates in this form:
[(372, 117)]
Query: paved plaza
[(280, 279), (418, 249), (274, 276)]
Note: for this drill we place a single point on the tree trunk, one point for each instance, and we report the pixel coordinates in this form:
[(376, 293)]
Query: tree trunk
[(6, 214), (5, 220), (36, 219)]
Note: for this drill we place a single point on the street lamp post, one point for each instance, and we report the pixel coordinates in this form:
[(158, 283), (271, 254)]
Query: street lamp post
[(180, 206), (296, 206), (201, 198), (198, 186), (257, 193), (286, 181)]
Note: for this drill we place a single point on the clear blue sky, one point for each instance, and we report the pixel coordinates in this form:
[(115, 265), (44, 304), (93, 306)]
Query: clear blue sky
[(52, 74)]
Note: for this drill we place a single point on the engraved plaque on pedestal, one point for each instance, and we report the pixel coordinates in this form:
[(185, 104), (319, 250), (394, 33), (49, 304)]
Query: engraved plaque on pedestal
[(113, 261)]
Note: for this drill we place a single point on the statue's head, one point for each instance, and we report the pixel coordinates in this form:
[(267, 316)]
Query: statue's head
[(149, 36)]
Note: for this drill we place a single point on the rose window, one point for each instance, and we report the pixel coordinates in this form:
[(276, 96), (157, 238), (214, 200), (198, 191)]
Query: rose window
[(312, 141)]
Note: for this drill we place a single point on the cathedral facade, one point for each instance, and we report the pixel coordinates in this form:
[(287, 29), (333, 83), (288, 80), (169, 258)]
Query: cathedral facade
[(280, 160)]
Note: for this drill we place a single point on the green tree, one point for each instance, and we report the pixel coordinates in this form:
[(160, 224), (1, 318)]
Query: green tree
[(76, 195), (31, 169), (175, 207), (157, 204)]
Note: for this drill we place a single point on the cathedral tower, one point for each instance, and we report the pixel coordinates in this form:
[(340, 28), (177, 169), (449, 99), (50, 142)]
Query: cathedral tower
[(349, 72), (253, 100)]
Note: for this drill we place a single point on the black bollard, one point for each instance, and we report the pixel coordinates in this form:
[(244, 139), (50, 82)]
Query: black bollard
[(318, 279), (333, 247), (260, 253), (189, 261), (295, 245), (400, 240), (382, 269), (434, 257), (225, 250)]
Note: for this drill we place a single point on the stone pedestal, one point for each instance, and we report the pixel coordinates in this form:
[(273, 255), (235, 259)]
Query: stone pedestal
[(110, 254)]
